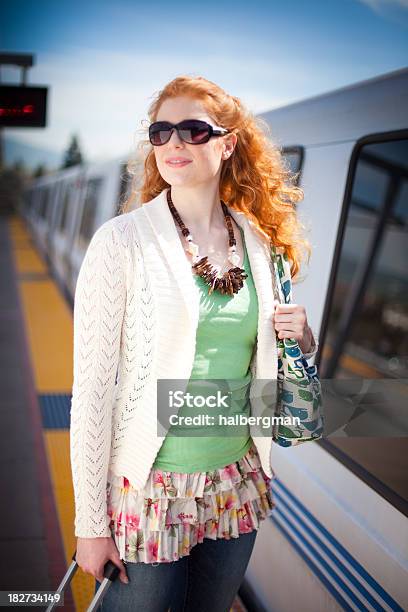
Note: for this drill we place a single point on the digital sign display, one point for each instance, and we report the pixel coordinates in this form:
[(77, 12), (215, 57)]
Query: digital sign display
[(23, 106)]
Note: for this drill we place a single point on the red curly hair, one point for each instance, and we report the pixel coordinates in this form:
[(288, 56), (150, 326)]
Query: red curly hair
[(255, 180)]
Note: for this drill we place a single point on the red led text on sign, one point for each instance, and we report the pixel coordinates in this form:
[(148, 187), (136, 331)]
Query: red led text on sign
[(28, 109)]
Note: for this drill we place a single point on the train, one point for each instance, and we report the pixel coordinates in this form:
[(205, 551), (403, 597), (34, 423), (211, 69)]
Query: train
[(338, 538)]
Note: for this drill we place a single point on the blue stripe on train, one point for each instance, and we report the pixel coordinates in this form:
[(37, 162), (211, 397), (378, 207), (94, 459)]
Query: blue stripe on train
[(297, 525)]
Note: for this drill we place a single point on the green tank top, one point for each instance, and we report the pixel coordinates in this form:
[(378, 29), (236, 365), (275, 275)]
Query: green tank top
[(225, 339)]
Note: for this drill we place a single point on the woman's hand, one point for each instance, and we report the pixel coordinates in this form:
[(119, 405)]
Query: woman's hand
[(290, 321), (93, 553)]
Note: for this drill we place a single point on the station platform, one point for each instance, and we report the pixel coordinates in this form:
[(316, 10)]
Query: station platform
[(37, 515)]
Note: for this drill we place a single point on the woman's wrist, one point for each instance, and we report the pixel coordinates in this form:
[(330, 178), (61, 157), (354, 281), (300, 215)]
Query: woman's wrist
[(307, 343)]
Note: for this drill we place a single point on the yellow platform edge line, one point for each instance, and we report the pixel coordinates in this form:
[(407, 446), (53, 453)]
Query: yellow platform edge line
[(56, 442)]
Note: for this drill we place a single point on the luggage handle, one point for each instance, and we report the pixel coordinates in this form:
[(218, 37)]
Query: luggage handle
[(110, 573)]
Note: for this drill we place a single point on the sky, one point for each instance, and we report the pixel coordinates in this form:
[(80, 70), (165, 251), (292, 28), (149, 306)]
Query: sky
[(105, 61)]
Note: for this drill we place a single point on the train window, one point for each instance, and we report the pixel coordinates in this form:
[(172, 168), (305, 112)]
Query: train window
[(64, 207), (40, 200), (294, 157), (87, 227), (43, 202), (49, 199), (366, 335)]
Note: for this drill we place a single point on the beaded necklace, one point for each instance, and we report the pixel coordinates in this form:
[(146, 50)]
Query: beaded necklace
[(227, 283)]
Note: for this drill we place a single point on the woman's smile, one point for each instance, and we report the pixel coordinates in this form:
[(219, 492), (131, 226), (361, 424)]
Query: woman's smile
[(177, 162)]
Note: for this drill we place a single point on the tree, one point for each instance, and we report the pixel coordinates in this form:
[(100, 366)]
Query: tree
[(40, 170), (73, 155)]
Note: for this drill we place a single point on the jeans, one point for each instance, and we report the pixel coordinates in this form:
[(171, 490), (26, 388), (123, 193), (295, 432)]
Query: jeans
[(206, 580)]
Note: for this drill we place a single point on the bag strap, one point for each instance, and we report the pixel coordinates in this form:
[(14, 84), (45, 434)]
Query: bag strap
[(283, 278)]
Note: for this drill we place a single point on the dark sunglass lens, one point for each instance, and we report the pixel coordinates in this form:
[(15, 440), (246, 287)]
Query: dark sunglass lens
[(194, 132), (159, 134)]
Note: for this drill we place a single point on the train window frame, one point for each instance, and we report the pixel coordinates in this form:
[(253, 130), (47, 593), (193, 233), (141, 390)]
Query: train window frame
[(360, 471)]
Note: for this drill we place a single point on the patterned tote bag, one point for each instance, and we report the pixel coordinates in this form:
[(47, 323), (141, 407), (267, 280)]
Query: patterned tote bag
[(299, 398)]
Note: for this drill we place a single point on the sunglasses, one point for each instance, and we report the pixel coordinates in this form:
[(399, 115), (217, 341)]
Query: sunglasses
[(192, 131)]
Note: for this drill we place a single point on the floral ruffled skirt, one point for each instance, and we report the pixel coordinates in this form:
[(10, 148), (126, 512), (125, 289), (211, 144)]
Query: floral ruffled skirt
[(175, 511)]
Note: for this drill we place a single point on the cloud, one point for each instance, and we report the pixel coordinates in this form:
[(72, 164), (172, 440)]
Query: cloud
[(379, 6), (393, 11)]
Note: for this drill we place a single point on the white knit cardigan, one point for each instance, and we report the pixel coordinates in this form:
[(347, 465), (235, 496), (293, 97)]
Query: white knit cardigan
[(136, 312)]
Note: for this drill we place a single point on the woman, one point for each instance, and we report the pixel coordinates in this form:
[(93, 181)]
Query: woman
[(181, 288)]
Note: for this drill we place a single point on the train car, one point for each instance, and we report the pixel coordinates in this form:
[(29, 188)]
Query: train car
[(65, 209), (337, 539)]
